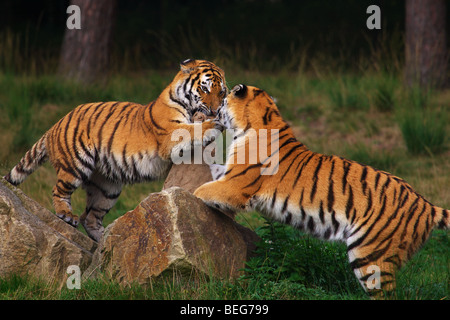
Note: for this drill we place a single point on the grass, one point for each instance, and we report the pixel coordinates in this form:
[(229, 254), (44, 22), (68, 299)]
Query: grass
[(290, 266), (361, 116), (423, 124)]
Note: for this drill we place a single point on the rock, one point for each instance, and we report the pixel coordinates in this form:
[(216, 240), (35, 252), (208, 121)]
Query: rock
[(34, 241), (187, 176), (171, 230), (193, 175)]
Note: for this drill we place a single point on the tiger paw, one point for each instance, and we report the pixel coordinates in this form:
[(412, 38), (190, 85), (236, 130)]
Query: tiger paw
[(94, 233), (69, 218), (92, 224)]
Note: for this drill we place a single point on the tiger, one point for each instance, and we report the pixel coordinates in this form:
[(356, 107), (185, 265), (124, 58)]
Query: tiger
[(102, 146), (379, 216)]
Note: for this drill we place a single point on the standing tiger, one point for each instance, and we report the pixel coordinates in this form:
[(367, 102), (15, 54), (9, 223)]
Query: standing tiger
[(382, 220), (101, 146)]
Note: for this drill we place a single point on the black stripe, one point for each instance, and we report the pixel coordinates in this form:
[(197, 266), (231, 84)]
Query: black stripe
[(330, 197), (288, 218), (105, 193), (179, 102), (442, 223), (91, 117), (285, 204), (124, 158), (64, 136), (274, 198), (102, 126), (354, 214), (85, 149), (385, 186), (184, 86), (63, 194), (292, 162), (182, 112), (349, 204), (282, 129), (20, 169), (412, 209), (311, 225), (321, 213), (404, 199), (334, 222), (327, 233), (315, 179), (395, 260), (302, 214), (418, 220), (257, 92), (63, 159), (361, 262), (197, 76), (383, 228), (73, 171), (67, 185), (253, 182), (290, 140), (134, 169), (304, 164), (377, 179), (150, 111), (382, 273), (265, 116), (245, 170), (113, 133), (363, 179), (346, 168), (383, 207), (363, 237), (369, 204), (300, 202), (289, 153)]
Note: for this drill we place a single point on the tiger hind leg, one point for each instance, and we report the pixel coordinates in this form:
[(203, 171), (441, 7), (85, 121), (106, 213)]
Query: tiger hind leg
[(62, 193), (376, 275), (102, 194)]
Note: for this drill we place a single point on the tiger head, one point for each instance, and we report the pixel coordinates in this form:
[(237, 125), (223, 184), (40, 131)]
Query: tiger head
[(249, 107), (199, 86)]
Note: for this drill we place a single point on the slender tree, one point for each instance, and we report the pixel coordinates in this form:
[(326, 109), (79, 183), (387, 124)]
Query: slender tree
[(85, 52), (426, 47)]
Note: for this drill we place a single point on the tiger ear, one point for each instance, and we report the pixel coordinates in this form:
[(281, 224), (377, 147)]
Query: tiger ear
[(187, 65), (240, 90)]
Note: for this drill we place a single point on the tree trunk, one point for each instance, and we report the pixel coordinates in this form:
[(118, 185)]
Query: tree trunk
[(85, 52), (426, 50)]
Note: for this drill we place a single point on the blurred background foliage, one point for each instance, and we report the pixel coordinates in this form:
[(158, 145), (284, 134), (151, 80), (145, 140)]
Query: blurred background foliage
[(264, 34)]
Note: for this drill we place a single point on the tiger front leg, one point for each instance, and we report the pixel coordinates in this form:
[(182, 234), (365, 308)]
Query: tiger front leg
[(217, 171), (222, 196)]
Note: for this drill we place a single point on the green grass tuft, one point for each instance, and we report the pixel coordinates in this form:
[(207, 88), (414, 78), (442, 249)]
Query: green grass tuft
[(423, 125)]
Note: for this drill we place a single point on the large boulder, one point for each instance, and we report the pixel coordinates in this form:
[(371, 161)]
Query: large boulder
[(172, 231), (34, 241), (187, 176)]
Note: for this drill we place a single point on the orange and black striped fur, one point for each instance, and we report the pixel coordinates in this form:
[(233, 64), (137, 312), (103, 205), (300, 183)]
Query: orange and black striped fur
[(101, 146), (382, 220)]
